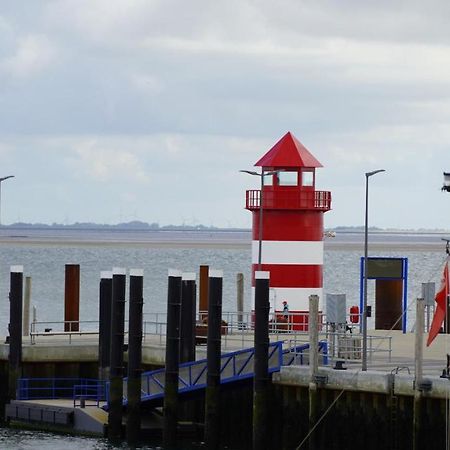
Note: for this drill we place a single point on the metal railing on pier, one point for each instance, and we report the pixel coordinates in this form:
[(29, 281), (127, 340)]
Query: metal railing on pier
[(344, 340), (86, 391), (63, 328)]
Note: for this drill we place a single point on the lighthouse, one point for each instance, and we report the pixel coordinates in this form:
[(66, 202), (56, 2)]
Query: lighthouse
[(287, 229)]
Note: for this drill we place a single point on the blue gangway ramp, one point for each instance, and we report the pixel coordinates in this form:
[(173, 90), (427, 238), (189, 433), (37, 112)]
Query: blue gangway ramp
[(234, 366)]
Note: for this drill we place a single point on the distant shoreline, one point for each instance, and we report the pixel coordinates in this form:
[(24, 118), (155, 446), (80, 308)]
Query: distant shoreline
[(143, 227), (213, 243)]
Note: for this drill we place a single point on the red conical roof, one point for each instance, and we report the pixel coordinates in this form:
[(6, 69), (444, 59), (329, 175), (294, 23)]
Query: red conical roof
[(288, 152)]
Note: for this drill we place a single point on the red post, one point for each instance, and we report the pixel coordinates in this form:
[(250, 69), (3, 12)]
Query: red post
[(203, 291), (72, 298)]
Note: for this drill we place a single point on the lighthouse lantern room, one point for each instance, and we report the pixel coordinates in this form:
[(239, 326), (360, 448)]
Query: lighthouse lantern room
[(287, 230)]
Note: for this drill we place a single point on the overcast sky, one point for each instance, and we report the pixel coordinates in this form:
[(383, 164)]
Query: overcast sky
[(115, 111)]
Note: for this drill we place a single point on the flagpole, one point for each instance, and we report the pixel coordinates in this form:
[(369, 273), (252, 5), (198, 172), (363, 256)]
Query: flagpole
[(446, 329)]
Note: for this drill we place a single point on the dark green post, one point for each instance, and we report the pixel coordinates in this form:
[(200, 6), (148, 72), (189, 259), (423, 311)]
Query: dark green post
[(212, 395), (104, 333), (261, 364), (15, 327), (134, 357), (116, 370), (172, 359), (187, 331)]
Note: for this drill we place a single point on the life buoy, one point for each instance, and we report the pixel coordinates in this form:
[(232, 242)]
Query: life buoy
[(354, 314)]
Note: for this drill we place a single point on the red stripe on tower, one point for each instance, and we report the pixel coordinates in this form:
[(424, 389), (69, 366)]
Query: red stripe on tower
[(291, 221)]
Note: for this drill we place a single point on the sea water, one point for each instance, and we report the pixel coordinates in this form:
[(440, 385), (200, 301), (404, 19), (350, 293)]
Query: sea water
[(46, 252)]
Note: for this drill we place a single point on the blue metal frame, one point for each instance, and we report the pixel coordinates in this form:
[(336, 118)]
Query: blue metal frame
[(235, 366), (296, 353), (58, 388), (196, 379), (91, 392), (404, 278), (152, 382)]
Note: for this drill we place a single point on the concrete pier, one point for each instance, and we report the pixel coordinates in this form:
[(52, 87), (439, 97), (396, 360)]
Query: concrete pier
[(67, 348), (378, 396)]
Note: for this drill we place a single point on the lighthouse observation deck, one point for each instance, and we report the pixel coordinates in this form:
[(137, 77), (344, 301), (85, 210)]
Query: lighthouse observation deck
[(310, 200)]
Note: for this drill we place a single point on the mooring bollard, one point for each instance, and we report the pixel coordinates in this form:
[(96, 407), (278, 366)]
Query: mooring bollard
[(116, 358), (261, 362), (172, 359), (187, 331), (15, 328), (134, 357), (104, 335), (212, 395), (72, 298)]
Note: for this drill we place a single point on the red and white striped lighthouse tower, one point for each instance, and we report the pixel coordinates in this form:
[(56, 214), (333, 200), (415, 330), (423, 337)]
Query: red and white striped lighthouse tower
[(290, 245)]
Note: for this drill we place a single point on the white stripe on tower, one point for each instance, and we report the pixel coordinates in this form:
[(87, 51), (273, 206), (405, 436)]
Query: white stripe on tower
[(288, 252)]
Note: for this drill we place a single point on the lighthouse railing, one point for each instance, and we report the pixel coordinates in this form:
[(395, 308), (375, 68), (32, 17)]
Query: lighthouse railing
[(289, 199)]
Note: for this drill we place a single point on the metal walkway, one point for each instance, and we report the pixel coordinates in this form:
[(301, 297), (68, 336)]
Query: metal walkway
[(234, 366)]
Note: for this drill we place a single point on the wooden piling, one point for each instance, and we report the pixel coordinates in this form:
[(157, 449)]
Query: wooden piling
[(15, 328), (134, 357), (116, 357), (172, 360), (261, 426), (212, 395), (26, 307), (72, 298)]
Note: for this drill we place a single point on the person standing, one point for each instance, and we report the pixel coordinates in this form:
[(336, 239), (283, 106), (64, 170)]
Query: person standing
[(285, 310)]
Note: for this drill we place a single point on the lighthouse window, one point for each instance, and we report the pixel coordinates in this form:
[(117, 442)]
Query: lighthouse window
[(308, 178), (287, 178), (268, 180)]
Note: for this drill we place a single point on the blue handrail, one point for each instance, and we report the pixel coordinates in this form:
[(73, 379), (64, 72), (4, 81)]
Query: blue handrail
[(234, 366), (237, 365), (59, 388)]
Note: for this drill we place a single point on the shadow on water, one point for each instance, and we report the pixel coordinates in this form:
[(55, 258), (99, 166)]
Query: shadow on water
[(15, 439)]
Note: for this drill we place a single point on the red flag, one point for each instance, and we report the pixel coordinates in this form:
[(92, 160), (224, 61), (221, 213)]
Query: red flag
[(441, 306)]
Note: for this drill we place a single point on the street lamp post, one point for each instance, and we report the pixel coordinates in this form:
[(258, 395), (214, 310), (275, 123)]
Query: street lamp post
[(366, 234), (261, 175), (1, 180)]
